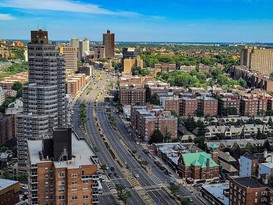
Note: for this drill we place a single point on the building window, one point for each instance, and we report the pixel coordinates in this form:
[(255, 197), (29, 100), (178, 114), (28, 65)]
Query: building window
[(85, 196), (74, 197), (61, 197), (85, 189), (61, 175), (74, 183), (74, 190), (74, 175)]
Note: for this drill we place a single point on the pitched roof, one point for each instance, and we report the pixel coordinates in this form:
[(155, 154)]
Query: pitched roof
[(200, 157), (225, 156), (214, 146)]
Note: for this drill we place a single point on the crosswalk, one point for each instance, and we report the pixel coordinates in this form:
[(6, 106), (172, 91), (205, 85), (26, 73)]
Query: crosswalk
[(155, 179), (133, 181)]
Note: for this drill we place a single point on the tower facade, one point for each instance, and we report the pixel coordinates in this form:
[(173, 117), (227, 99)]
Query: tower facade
[(44, 97), (109, 44)]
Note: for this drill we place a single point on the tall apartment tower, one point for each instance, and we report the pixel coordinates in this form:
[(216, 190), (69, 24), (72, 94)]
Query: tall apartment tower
[(70, 57), (258, 59), (109, 44), (44, 97)]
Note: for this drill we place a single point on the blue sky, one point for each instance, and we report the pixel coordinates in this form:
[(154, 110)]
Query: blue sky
[(140, 20)]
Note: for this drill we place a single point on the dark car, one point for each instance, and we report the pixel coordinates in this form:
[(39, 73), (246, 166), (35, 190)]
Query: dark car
[(116, 174), (112, 169), (110, 174)]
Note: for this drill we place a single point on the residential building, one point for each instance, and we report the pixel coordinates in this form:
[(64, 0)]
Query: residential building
[(208, 106), (9, 192), (227, 101), (70, 57), (257, 59), (84, 48), (165, 67), (130, 63), (109, 44), (75, 42), (249, 191), (217, 194), (7, 128), (44, 103), (86, 69), (171, 104), (249, 165), (99, 52), (130, 95), (188, 106), (146, 119), (14, 107), (62, 170)]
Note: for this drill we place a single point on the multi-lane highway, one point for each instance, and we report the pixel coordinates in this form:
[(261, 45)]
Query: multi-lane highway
[(91, 133), (146, 187)]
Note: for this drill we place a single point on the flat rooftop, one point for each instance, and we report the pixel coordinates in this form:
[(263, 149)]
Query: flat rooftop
[(80, 149), (5, 183), (217, 190), (250, 182)]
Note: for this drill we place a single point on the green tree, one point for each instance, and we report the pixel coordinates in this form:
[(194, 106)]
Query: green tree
[(123, 193), (17, 86), (184, 202), (242, 82), (174, 189), (200, 142), (270, 123), (104, 167), (201, 128), (190, 123), (167, 135), (156, 137)]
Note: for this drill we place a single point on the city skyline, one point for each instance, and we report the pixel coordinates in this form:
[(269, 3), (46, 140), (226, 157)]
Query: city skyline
[(156, 21)]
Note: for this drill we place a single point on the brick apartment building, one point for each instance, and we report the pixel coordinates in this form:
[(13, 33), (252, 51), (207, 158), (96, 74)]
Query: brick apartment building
[(249, 191), (7, 128), (132, 95), (188, 106), (229, 100), (208, 106), (144, 120), (62, 170), (9, 192), (171, 104)]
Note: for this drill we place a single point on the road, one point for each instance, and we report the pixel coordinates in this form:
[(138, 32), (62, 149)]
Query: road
[(90, 132)]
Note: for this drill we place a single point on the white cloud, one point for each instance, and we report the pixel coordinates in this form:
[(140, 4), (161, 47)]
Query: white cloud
[(62, 5), (6, 17)]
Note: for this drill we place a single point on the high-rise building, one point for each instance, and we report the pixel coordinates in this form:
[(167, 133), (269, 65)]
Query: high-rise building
[(62, 170), (99, 52), (75, 42), (258, 59), (70, 56), (109, 44), (85, 47), (44, 101)]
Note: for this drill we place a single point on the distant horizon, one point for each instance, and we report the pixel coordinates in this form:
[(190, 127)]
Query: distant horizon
[(175, 42), (141, 21)]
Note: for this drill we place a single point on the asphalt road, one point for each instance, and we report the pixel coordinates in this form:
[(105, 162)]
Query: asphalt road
[(92, 135)]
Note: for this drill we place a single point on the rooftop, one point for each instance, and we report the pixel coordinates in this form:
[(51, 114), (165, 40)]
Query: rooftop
[(200, 157), (5, 183), (80, 149), (217, 191), (249, 182)]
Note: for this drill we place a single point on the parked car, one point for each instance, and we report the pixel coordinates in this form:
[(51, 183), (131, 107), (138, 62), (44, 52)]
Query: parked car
[(112, 169), (136, 175)]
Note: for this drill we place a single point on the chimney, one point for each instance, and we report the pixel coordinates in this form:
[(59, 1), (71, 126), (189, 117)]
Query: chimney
[(208, 162)]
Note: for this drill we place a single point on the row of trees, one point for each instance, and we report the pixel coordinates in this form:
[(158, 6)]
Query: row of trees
[(197, 79), (13, 69), (150, 59)]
